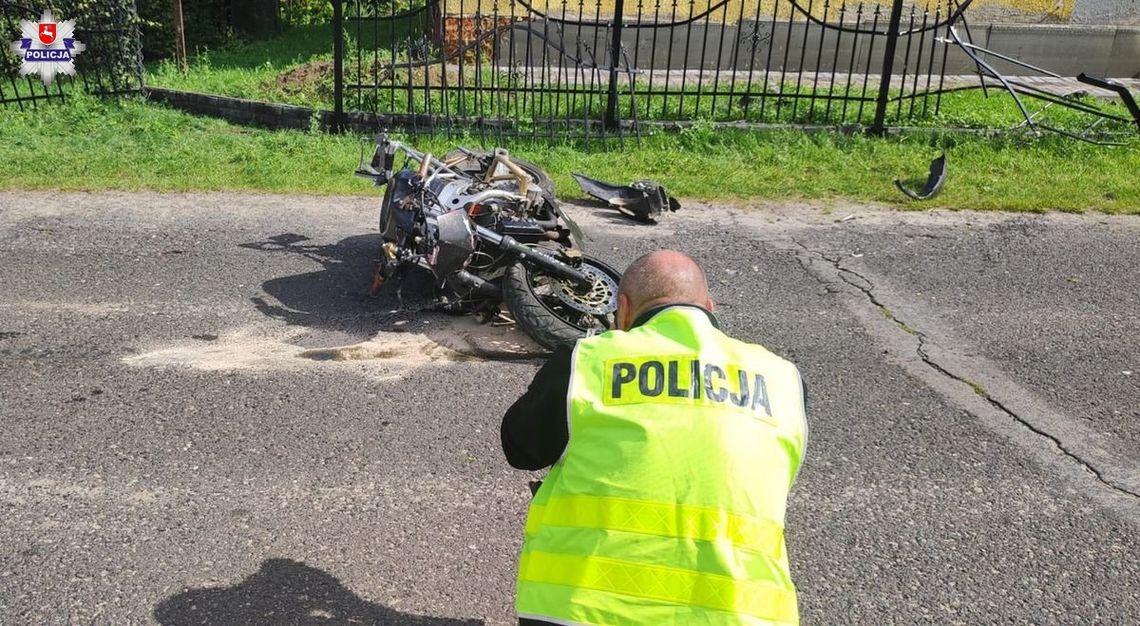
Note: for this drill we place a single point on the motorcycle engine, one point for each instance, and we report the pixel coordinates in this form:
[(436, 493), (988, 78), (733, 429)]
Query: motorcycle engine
[(498, 206)]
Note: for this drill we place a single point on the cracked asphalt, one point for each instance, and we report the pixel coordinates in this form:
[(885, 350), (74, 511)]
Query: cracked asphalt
[(207, 421)]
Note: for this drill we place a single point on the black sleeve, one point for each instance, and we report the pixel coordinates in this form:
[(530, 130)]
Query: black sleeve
[(535, 431)]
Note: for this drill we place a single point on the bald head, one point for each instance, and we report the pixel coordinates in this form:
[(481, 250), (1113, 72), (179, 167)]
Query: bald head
[(660, 278)]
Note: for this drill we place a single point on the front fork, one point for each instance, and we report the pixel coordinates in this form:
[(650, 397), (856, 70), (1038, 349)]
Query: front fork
[(385, 266)]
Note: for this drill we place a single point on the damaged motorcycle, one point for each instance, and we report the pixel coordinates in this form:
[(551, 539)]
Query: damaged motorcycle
[(487, 227)]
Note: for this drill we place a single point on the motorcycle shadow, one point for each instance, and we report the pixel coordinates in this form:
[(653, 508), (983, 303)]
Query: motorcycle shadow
[(333, 303), (286, 592)]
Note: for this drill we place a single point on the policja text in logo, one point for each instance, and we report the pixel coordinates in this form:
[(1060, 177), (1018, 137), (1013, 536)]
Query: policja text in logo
[(48, 47)]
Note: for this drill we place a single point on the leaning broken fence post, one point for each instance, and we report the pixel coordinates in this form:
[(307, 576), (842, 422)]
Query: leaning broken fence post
[(879, 126), (611, 121)]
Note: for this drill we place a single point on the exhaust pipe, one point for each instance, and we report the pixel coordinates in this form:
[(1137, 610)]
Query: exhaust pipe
[(550, 264), (466, 283)]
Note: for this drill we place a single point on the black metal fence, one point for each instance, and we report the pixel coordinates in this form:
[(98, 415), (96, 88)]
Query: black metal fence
[(582, 68), (110, 64)]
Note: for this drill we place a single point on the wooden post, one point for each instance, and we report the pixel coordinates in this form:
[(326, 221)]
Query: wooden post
[(179, 37)]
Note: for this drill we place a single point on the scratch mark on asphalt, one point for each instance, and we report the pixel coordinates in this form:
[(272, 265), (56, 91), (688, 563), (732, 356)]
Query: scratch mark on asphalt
[(867, 287)]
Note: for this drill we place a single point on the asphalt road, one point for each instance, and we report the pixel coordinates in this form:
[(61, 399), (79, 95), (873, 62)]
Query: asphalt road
[(206, 421)]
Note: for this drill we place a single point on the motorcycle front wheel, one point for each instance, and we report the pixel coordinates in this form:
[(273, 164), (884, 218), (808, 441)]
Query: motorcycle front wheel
[(554, 311)]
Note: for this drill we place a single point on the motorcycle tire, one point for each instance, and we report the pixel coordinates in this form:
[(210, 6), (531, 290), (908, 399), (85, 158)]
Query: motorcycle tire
[(472, 166), (543, 316), (387, 213)]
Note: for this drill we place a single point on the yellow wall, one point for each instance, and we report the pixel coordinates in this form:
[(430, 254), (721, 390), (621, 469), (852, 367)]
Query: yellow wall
[(731, 12)]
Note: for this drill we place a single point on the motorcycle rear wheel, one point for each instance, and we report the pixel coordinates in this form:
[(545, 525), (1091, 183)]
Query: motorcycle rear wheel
[(541, 303)]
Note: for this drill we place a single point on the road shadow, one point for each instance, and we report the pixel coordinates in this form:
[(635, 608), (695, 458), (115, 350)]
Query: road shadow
[(336, 295), (285, 592), (334, 301)]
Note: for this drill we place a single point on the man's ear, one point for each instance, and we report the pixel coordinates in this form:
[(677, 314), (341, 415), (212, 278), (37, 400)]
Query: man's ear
[(622, 318), (709, 305)]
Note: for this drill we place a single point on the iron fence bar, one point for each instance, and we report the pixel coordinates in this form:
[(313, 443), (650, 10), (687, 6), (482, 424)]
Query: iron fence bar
[(593, 50), (11, 78), (636, 49), (637, 57), (669, 62), (685, 60), (720, 53), (700, 69), (409, 87), (652, 61), (374, 68), (1048, 96), (803, 57), (338, 64), (358, 37), (991, 53), (784, 65), (611, 121), (480, 99), (676, 92), (870, 57), (514, 72), (942, 72), (930, 64), (906, 65), (818, 63), (767, 63), (528, 76), (462, 52), (879, 127), (546, 78), (20, 98), (851, 62), (918, 65), (577, 68), (969, 37), (393, 63), (811, 18), (672, 24), (835, 59), (422, 48), (496, 77), (736, 52)]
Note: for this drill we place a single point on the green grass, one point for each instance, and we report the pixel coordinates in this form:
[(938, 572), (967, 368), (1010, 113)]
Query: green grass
[(249, 69), (253, 69), (132, 145)]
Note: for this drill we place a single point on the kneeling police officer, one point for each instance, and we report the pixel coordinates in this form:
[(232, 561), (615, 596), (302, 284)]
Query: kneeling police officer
[(673, 449)]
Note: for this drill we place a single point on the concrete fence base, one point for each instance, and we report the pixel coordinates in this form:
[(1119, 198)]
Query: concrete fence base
[(291, 117)]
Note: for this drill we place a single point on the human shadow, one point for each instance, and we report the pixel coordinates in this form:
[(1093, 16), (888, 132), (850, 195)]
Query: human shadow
[(336, 297), (285, 592)]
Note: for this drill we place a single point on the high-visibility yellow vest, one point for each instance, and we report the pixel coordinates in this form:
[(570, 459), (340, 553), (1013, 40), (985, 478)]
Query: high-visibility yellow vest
[(667, 506)]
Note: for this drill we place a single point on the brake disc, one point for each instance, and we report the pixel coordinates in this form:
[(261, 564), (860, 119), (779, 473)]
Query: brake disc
[(599, 299)]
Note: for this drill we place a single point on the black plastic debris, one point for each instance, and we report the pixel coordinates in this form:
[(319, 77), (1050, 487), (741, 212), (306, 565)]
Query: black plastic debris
[(640, 200), (934, 181)]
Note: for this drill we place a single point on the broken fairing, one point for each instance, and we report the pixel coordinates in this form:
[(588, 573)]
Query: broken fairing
[(934, 181), (640, 200)]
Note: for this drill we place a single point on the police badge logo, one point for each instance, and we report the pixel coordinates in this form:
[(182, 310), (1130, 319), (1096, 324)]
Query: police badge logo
[(48, 47)]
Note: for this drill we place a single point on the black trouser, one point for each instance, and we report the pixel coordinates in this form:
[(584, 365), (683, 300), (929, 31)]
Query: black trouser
[(526, 621)]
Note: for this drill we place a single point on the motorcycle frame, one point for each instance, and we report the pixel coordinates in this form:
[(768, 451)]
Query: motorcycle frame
[(431, 168)]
